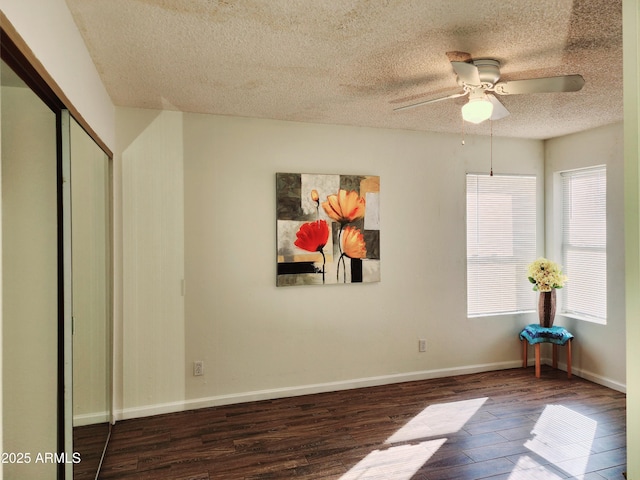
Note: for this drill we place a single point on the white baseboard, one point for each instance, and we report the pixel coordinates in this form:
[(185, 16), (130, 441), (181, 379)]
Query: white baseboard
[(599, 379), (91, 418), (586, 374), (269, 394)]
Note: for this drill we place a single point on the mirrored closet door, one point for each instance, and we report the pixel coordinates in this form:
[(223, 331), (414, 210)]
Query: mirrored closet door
[(89, 175), (30, 266)]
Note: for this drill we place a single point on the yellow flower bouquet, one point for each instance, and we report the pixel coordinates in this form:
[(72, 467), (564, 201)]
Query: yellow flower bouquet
[(546, 275)]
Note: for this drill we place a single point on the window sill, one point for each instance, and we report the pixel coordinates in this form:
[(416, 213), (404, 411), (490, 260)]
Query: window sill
[(584, 318), (500, 314)]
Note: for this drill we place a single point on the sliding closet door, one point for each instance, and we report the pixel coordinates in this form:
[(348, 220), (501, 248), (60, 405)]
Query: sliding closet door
[(29, 282), (91, 288)]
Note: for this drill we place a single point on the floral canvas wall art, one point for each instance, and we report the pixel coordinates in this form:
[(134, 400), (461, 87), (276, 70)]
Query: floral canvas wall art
[(328, 229)]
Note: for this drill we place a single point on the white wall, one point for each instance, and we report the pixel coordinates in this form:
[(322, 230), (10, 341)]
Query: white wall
[(631, 42), (150, 340), (47, 27), (598, 351), (260, 341)]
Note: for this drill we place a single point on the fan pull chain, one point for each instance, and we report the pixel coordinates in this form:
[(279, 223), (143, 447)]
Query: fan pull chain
[(462, 120), (491, 146)]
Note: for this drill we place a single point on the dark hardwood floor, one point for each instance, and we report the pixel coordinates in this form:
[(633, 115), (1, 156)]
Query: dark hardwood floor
[(498, 425), (89, 441)]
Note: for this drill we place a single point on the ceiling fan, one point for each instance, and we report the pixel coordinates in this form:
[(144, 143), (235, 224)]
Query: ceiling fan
[(479, 80)]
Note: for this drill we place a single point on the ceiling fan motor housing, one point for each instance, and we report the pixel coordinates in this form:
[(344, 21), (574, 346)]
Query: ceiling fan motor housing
[(488, 70)]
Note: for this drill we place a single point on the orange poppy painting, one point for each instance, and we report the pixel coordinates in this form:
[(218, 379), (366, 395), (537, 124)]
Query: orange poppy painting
[(327, 228)]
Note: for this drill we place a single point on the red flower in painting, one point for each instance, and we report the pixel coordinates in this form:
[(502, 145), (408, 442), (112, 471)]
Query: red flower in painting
[(312, 236), (345, 207), (353, 244)]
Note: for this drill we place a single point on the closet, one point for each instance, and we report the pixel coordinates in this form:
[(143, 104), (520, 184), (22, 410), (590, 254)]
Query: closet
[(56, 320)]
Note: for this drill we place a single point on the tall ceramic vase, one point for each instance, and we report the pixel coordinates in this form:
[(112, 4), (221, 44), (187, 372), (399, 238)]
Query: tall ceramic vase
[(547, 308)]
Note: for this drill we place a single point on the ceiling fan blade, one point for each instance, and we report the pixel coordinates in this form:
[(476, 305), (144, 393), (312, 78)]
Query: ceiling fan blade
[(467, 72), (433, 100), (499, 110), (565, 83)]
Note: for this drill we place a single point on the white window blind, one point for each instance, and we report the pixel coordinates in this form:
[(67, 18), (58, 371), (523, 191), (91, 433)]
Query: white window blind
[(584, 243), (501, 242)]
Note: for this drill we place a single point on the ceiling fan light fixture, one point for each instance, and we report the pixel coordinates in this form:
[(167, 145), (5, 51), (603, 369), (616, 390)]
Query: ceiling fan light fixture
[(477, 110)]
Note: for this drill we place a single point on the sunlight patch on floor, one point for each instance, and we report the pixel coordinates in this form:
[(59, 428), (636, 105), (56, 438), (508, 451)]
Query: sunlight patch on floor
[(562, 435), (438, 420), (399, 463), (528, 469)]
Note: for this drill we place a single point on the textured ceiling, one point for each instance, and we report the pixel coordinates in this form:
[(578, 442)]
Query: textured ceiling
[(351, 62)]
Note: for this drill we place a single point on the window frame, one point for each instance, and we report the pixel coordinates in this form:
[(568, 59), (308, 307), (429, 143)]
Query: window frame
[(560, 243), (524, 286)]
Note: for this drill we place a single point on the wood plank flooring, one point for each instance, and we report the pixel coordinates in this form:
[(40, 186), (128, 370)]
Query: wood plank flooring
[(89, 441), (504, 425)]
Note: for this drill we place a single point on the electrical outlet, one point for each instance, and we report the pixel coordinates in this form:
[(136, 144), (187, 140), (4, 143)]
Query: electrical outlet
[(198, 368), (422, 345)]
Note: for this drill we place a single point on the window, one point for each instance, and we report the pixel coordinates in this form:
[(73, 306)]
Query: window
[(501, 242), (584, 243)]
